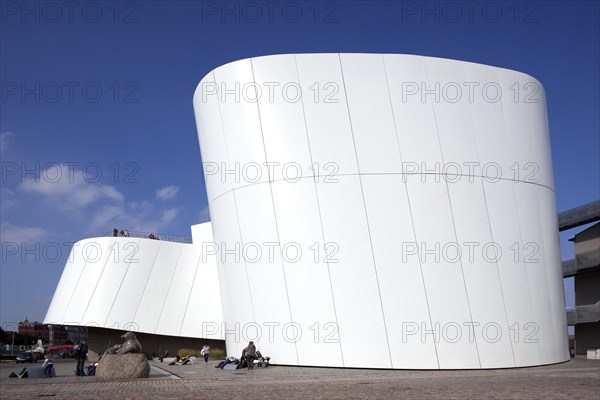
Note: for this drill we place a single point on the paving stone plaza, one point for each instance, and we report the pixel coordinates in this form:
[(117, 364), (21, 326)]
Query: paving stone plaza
[(576, 379)]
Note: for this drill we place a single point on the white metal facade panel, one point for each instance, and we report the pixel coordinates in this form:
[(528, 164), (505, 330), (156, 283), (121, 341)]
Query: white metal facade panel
[(524, 108), (152, 302), (451, 112), (326, 114), (403, 293), (549, 228), (414, 119), (299, 226), (234, 284), (354, 279), (371, 117), (482, 280), (506, 231), (132, 286), (444, 279), (66, 286), (180, 287), (541, 329), (121, 256), (281, 111), (241, 124), (94, 254), (260, 249), (215, 165), (204, 313)]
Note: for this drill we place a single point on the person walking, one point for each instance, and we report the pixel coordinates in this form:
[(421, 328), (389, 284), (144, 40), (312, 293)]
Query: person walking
[(250, 354), (205, 352)]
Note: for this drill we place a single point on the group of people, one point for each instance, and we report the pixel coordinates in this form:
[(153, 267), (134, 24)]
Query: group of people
[(125, 233), (122, 233), (205, 352), (249, 354), (79, 353)]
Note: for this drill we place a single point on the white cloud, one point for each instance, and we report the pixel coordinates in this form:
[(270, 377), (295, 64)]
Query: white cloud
[(5, 139), (18, 234), (140, 217), (7, 199), (168, 192), (102, 207), (107, 217), (169, 215), (72, 189)]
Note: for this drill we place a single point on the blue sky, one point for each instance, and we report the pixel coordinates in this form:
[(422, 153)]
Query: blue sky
[(106, 87)]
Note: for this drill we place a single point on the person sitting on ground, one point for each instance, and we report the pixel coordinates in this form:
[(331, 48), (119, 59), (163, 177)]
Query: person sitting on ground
[(48, 367), (243, 362), (186, 360), (228, 360), (122, 233), (151, 236), (165, 355), (176, 361)]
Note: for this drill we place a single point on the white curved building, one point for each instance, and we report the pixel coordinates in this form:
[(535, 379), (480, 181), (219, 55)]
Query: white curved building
[(374, 211), (154, 287)]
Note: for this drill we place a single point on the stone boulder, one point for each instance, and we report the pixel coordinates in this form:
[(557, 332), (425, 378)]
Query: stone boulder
[(123, 366)]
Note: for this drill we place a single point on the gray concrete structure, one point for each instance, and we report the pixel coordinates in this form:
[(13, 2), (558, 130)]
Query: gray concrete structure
[(578, 216), (586, 314)]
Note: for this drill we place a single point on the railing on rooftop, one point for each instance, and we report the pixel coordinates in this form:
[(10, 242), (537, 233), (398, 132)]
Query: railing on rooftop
[(157, 236), (577, 216)]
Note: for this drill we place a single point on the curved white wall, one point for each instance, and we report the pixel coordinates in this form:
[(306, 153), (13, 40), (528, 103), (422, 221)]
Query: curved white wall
[(144, 285), (402, 163)]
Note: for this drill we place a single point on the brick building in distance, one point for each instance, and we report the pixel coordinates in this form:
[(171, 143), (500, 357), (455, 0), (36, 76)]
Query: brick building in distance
[(50, 334)]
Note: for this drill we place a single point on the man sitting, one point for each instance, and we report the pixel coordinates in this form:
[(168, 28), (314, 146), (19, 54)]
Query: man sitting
[(165, 355)]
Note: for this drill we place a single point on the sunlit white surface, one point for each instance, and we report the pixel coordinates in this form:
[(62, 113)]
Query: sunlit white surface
[(390, 156), (149, 286)]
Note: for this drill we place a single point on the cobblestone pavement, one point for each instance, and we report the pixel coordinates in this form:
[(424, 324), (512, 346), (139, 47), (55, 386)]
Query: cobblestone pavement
[(577, 379)]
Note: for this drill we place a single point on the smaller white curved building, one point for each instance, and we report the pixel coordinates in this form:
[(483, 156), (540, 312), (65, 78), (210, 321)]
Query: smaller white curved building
[(148, 286)]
